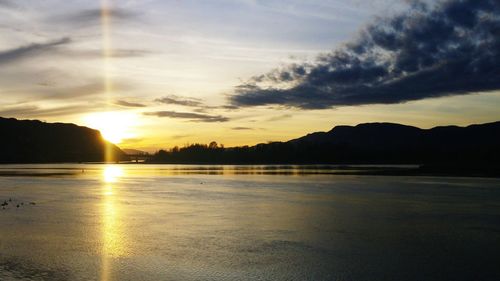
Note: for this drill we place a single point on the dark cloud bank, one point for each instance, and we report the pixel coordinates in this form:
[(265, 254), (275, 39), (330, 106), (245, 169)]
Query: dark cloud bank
[(450, 48)]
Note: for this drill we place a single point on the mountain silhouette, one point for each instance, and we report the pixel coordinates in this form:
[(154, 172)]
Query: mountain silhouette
[(396, 143), (370, 143), (33, 141)]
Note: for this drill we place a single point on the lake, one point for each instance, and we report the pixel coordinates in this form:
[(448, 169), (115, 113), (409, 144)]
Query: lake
[(188, 222)]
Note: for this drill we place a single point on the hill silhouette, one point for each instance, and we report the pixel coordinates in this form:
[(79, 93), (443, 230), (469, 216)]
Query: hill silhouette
[(33, 141), (370, 143)]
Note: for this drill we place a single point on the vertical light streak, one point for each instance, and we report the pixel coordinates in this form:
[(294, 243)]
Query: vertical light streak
[(106, 59), (110, 234), (106, 47)]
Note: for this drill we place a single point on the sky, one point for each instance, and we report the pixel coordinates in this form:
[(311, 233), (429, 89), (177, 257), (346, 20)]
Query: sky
[(155, 74)]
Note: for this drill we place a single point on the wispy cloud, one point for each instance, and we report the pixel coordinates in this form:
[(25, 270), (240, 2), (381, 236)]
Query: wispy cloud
[(35, 111), (192, 117), (179, 136), (129, 53), (35, 49), (197, 104), (15, 111), (7, 4), (173, 99), (450, 48), (280, 117), (93, 16), (72, 92), (241, 128), (129, 104), (112, 53)]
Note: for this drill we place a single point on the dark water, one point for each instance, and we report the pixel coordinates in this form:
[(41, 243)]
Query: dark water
[(139, 222)]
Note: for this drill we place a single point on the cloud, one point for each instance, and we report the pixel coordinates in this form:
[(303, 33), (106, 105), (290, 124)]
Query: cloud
[(280, 117), (241, 128), (129, 104), (35, 111), (129, 53), (94, 16), (197, 104), (193, 117), (7, 4), (49, 84), (173, 99), (16, 111), (75, 92), (450, 48), (132, 140), (31, 50), (113, 53), (179, 136)]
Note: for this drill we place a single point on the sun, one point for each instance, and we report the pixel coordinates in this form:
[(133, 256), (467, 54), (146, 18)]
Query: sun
[(114, 126)]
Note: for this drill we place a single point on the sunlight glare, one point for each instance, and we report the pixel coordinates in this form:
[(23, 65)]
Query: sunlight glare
[(114, 126), (112, 173)]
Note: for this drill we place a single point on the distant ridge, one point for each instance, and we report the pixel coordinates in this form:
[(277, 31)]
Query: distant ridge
[(33, 141), (368, 143), (396, 143)]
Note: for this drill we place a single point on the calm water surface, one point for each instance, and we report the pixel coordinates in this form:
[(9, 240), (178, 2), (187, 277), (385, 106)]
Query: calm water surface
[(165, 222)]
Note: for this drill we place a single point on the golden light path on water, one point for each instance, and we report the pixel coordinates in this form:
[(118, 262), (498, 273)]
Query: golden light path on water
[(113, 238)]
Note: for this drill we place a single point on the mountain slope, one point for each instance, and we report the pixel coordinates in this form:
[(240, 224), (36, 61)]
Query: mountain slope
[(387, 142), (371, 143), (32, 141)]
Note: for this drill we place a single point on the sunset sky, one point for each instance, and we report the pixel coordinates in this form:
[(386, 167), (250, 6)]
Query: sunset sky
[(154, 74)]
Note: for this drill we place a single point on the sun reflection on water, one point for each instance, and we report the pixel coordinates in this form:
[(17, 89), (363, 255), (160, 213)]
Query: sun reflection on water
[(113, 238), (112, 173)]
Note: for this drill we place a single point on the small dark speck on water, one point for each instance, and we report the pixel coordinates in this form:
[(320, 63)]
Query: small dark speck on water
[(18, 205)]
